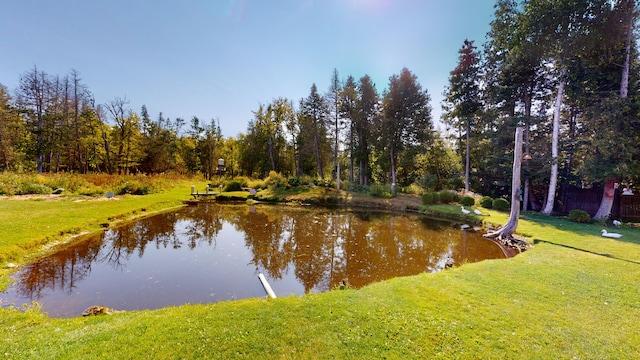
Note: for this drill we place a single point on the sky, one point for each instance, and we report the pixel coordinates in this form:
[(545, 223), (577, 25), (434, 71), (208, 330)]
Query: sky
[(220, 59)]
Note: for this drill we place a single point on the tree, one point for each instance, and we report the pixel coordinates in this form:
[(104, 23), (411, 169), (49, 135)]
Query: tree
[(127, 136), (368, 113), (12, 133), (462, 98), (334, 102), (349, 110), (313, 126), (513, 77), (512, 223), (625, 15), (406, 120), (33, 98)]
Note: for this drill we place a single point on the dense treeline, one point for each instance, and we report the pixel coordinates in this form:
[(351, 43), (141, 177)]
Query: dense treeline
[(565, 70)]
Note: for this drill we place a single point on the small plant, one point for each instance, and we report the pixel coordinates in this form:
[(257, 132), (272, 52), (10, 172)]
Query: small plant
[(359, 188), (275, 180), (579, 216), (233, 185), (294, 181), (380, 191), (467, 201), (501, 204), (486, 202), (430, 198), (447, 196)]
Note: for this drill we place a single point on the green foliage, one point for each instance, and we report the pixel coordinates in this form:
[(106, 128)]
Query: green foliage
[(500, 204), (448, 196), (359, 188), (133, 187), (33, 188), (412, 189), (430, 198), (579, 216), (275, 180), (294, 181), (380, 191), (233, 185), (467, 201), (486, 202)]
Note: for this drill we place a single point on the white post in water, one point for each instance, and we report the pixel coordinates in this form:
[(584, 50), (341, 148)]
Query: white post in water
[(266, 286)]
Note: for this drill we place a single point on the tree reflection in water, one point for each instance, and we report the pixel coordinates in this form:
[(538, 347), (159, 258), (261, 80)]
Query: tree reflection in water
[(197, 256)]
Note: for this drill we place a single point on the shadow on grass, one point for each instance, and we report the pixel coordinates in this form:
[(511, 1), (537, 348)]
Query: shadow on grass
[(537, 241), (630, 234)]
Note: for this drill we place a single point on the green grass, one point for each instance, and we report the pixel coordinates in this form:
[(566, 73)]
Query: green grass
[(573, 296)]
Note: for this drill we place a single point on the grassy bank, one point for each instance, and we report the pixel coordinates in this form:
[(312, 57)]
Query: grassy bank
[(574, 295)]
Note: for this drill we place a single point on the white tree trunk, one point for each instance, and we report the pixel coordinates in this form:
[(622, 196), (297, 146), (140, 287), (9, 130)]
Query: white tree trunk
[(512, 224), (624, 83), (467, 159), (553, 180), (393, 173)]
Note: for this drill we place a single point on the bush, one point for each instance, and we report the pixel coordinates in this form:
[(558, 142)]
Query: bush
[(359, 188), (294, 181), (33, 188), (430, 198), (134, 187), (447, 196), (275, 180), (501, 204), (233, 185), (381, 191), (412, 189), (467, 201), (486, 202), (579, 216)]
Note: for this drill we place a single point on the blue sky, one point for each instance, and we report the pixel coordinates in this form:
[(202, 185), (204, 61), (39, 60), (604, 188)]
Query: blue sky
[(221, 59)]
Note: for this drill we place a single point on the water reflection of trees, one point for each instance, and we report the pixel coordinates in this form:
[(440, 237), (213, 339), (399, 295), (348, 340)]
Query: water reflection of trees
[(63, 269), (326, 247), (321, 247)]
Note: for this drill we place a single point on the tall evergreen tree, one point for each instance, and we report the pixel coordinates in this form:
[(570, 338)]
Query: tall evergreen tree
[(406, 118), (463, 97), (313, 128)]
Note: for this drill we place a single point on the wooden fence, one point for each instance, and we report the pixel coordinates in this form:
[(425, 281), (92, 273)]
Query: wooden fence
[(625, 207)]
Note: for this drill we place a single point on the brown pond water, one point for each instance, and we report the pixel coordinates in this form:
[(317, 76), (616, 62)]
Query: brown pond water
[(210, 252)]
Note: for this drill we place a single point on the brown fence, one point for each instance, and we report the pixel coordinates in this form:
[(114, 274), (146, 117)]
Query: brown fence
[(630, 207), (625, 207)]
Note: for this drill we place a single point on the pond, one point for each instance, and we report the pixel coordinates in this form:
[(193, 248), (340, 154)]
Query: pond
[(212, 252)]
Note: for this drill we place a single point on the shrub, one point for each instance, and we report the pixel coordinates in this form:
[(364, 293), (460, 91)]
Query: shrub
[(257, 184), (447, 196), (33, 188), (359, 188), (412, 189), (233, 185), (467, 201), (486, 202), (294, 181), (381, 191), (430, 198), (501, 204), (579, 216), (275, 180)]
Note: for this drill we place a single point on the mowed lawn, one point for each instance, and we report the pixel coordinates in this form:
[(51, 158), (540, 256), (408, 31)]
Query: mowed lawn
[(574, 295)]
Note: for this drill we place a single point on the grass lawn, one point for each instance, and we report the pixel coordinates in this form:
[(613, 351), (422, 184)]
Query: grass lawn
[(575, 295)]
